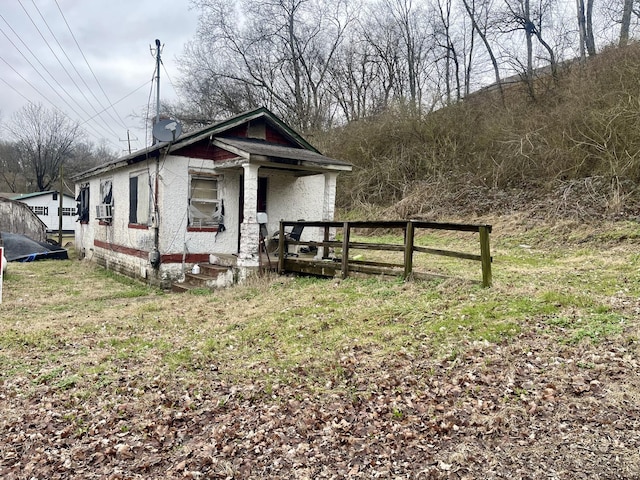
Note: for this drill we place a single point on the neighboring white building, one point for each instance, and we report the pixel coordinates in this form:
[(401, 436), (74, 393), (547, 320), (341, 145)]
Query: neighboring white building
[(156, 212), (46, 205)]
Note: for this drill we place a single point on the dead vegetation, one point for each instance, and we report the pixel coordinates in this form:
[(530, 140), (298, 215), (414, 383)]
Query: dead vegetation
[(571, 150), (303, 378)]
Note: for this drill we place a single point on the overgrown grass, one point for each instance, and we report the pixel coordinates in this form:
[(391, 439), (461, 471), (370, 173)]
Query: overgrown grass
[(276, 329)]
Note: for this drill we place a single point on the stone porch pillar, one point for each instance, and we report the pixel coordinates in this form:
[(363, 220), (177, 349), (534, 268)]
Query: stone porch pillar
[(249, 229)]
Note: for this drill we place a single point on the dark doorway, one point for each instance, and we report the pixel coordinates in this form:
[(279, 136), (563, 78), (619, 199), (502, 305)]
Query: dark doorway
[(262, 194)]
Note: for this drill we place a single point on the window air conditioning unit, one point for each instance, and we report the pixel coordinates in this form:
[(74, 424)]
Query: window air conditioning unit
[(104, 211)]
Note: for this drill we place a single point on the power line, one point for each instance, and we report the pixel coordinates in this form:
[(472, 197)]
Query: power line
[(85, 59), (39, 93), (54, 90), (62, 65)]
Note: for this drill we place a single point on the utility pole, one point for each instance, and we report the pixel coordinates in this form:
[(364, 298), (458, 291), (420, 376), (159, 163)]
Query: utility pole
[(60, 206), (128, 140), (157, 80)]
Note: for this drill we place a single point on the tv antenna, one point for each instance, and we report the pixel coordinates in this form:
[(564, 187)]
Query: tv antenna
[(128, 140)]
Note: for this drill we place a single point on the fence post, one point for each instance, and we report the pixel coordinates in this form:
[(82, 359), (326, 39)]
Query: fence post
[(485, 255), (325, 239), (408, 250), (281, 248), (345, 250), (1, 267)]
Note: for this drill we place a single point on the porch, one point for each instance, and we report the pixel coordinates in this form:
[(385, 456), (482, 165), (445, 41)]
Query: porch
[(338, 256)]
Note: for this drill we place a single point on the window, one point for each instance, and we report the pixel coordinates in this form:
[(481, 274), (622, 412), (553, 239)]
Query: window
[(204, 203), (83, 203), (139, 198), (67, 211), (39, 210), (104, 210), (106, 194)]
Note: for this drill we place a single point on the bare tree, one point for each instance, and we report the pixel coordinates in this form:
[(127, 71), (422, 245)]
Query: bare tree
[(589, 37), (627, 10), (86, 155), (408, 19), (585, 28), (44, 140), (519, 15), (356, 79), (275, 52), (478, 13), (443, 33), (11, 170), (382, 37)]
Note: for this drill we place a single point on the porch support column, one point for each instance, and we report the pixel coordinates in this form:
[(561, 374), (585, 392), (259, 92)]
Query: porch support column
[(249, 229), (328, 207), (329, 202)]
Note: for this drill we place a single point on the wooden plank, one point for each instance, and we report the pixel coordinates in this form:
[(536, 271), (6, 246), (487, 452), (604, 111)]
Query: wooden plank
[(485, 253), (321, 268), (448, 253), (376, 270), (408, 250), (456, 227), (460, 227), (281, 240), (376, 264), (377, 246), (345, 250)]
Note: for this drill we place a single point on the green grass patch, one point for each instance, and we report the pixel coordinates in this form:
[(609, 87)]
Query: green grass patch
[(281, 329), (595, 326)]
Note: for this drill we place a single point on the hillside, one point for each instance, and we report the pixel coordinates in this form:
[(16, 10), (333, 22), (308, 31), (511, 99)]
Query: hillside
[(569, 149)]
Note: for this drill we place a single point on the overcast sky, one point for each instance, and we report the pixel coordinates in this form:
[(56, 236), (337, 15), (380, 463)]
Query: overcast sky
[(114, 36)]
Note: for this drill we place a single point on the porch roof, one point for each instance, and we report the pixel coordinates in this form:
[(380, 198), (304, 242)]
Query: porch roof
[(279, 155)]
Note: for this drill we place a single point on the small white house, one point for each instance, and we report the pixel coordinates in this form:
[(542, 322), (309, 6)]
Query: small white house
[(46, 205), (156, 212)]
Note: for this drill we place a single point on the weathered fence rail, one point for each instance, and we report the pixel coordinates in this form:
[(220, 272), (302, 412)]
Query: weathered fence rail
[(321, 265)]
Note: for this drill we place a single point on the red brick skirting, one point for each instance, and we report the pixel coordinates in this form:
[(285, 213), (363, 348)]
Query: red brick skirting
[(166, 258), (202, 229)]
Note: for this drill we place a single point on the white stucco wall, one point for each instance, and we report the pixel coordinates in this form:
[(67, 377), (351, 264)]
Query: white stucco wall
[(174, 192), (126, 244), (296, 198), (125, 249)]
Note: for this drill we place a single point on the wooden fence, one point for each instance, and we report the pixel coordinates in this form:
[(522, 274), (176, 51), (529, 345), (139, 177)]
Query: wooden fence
[(343, 265)]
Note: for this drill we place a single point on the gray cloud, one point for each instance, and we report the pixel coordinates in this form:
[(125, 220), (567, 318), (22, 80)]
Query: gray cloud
[(114, 36)]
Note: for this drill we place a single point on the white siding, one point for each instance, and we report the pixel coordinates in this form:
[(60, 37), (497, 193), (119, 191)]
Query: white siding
[(51, 219)]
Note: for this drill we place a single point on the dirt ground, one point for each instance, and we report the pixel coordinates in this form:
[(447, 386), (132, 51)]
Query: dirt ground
[(527, 410)]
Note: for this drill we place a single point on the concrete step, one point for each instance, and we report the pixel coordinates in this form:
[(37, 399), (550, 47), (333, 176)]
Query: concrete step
[(179, 288), (205, 279)]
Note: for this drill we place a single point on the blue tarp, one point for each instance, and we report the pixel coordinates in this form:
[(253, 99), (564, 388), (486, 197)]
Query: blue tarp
[(19, 248)]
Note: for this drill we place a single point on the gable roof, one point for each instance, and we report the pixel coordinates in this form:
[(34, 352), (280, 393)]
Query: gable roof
[(23, 196), (218, 128), (304, 151)]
